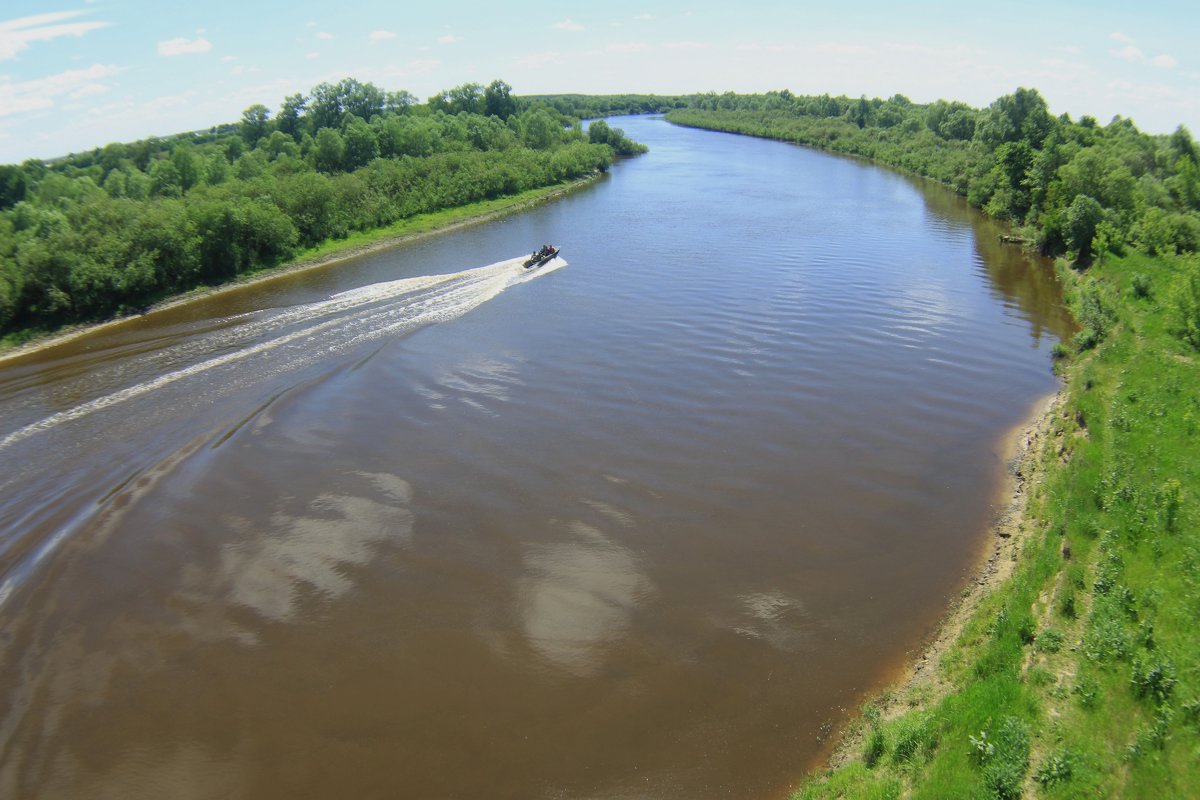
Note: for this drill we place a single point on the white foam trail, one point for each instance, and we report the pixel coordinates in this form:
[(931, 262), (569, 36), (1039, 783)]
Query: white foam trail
[(371, 312)]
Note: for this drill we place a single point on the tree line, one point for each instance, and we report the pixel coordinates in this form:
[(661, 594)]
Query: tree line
[(1075, 188), (110, 230)]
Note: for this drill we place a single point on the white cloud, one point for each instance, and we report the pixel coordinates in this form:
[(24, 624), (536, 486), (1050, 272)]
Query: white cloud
[(325, 35), (17, 34), (1117, 36), (1134, 55), (567, 25), (393, 74), (17, 98), (1128, 53), (311, 56), (627, 47), (88, 90), (122, 107), (380, 36), (1069, 49), (227, 59), (164, 102), (181, 46), (643, 16), (539, 59), (954, 51), (1130, 90), (755, 47), (686, 45), (841, 48), (449, 38)]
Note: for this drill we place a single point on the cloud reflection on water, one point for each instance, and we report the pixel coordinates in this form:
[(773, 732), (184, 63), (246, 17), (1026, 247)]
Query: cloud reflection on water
[(269, 571), (777, 619), (578, 595)]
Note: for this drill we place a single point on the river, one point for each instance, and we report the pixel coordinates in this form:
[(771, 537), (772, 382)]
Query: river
[(421, 524)]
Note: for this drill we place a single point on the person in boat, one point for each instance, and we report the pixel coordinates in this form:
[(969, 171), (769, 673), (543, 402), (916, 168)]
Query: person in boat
[(538, 257)]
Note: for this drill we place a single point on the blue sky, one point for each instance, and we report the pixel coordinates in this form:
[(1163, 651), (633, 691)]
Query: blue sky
[(80, 73)]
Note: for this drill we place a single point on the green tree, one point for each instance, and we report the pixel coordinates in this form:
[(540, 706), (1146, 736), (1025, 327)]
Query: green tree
[(12, 185), (12, 283), (329, 103), (598, 132), (288, 117), (1020, 116), (324, 107), (952, 121), (164, 179), (860, 112), (1083, 216), (399, 102), (112, 155), (138, 185), (469, 98), (363, 100), (308, 201), (255, 122), (187, 165), (539, 131), (1100, 174), (360, 145), (280, 144), (330, 151), (46, 260), (114, 184), (1183, 146), (498, 100), (237, 234)]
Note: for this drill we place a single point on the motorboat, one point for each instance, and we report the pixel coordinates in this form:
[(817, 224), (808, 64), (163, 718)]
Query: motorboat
[(539, 257)]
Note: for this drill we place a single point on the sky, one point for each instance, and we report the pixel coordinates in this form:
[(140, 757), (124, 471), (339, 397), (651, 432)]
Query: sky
[(78, 74)]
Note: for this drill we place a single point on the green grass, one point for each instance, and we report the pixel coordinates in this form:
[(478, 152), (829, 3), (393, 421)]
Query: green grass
[(429, 223), (1080, 677)]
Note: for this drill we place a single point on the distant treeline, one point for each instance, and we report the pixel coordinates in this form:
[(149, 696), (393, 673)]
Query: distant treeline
[(110, 230), (1076, 187), (592, 106)]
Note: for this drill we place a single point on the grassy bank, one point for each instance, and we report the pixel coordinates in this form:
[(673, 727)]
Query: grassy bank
[(1078, 675), (443, 221), (327, 252)]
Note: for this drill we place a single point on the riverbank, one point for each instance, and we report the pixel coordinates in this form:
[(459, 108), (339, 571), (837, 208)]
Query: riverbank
[(919, 682), (1065, 668), (324, 255)]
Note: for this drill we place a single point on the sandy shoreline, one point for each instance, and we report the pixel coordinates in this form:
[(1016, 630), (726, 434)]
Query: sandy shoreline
[(920, 680), (299, 265)]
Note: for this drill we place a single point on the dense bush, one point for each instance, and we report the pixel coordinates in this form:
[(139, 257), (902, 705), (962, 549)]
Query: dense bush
[(112, 229), (1080, 189)]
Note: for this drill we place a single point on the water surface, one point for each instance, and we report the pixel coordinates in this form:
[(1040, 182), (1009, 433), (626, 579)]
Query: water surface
[(639, 526)]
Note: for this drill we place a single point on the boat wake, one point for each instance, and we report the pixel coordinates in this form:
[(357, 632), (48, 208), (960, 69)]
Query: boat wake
[(282, 340)]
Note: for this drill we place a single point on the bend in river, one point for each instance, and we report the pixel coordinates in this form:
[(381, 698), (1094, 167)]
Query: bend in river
[(643, 525)]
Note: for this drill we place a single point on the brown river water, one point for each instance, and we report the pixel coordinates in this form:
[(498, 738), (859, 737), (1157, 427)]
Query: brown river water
[(643, 525)]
